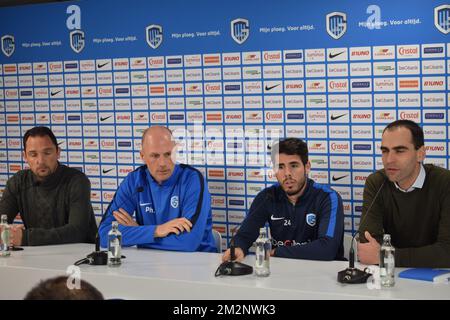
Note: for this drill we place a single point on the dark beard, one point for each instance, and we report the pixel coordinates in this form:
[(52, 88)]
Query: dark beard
[(291, 193)]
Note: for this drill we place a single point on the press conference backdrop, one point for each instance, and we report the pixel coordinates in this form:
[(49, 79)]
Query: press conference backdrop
[(229, 78)]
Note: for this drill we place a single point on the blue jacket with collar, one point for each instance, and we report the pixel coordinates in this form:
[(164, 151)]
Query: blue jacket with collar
[(184, 194), (313, 228)]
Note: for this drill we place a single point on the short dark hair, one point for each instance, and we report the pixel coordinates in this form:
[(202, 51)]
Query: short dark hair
[(414, 128), (39, 132), (291, 146), (56, 289)]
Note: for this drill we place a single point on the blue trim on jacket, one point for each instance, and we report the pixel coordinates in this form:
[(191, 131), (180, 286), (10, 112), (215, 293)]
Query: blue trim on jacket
[(182, 195)]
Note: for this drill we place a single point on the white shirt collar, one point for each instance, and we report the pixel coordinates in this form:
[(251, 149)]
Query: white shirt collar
[(418, 183)]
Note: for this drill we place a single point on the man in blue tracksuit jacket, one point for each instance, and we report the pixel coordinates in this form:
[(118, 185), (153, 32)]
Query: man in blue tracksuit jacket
[(306, 218), (171, 201)]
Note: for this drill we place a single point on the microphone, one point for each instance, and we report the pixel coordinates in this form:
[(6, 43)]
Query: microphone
[(99, 257), (354, 275), (232, 267)]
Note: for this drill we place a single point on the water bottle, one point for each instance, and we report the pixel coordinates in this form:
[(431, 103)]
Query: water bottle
[(387, 262), (5, 236), (263, 247), (114, 245)]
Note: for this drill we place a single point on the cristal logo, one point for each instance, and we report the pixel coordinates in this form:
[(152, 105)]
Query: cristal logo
[(108, 196), (55, 66), (274, 116), (175, 89), (360, 178), (338, 85), (407, 51), (107, 143), (339, 146), (74, 143), (13, 143), (272, 56), (158, 116), (11, 93), (155, 61), (217, 201), (212, 87), (57, 117), (409, 115), (105, 91), (215, 145)]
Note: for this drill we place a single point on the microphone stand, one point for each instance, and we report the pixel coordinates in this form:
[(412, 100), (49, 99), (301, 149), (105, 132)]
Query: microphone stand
[(232, 267), (354, 275), (99, 257)]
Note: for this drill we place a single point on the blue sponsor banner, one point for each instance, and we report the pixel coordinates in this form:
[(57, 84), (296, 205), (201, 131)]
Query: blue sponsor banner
[(245, 73)]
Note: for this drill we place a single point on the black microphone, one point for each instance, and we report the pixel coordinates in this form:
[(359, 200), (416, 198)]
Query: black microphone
[(351, 274), (99, 257), (232, 267)]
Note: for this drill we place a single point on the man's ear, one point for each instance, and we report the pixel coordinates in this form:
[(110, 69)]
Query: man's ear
[(58, 152), (307, 167), (173, 153), (421, 154)]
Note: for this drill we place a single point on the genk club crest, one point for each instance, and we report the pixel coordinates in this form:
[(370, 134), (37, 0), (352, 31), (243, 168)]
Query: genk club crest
[(442, 18), (240, 30), (336, 24), (311, 219), (154, 35), (77, 40), (8, 45)]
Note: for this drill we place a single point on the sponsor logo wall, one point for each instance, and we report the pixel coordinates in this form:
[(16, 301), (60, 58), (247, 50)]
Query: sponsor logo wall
[(228, 85)]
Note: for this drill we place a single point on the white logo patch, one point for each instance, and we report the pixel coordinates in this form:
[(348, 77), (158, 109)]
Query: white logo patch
[(174, 202), (311, 219)]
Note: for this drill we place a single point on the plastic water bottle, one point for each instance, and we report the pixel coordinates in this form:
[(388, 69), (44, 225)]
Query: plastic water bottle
[(5, 236), (263, 247), (387, 262), (114, 246)]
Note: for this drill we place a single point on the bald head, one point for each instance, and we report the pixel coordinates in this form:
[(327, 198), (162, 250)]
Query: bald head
[(157, 133), (158, 152)]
